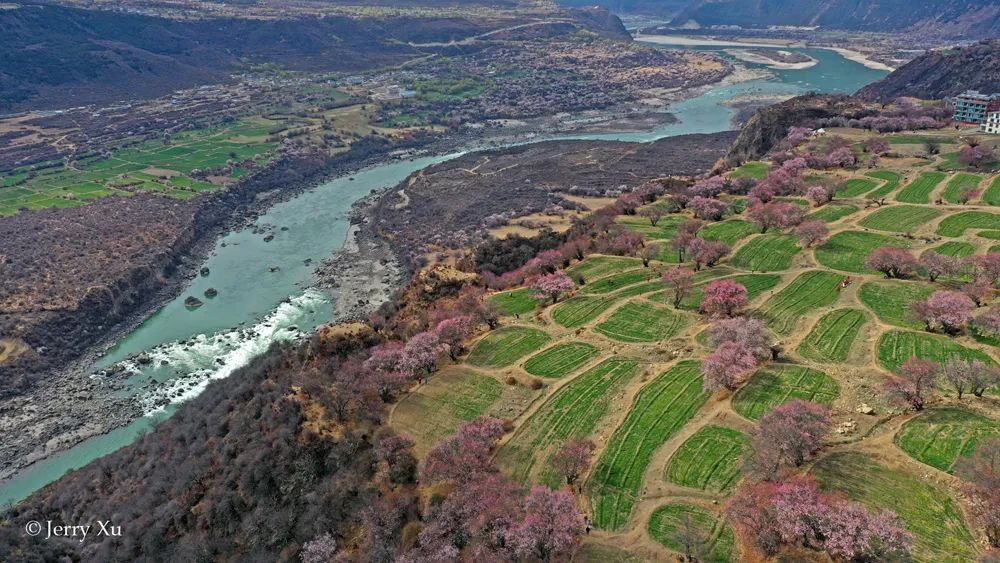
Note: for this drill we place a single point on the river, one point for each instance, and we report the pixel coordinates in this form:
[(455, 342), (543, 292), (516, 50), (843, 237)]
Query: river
[(263, 286)]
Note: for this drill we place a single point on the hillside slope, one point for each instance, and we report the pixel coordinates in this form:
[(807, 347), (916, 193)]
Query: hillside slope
[(968, 18), (939, 74)]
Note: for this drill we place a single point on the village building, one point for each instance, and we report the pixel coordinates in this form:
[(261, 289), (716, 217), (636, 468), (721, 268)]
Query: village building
[(992, 123), (973, 107)]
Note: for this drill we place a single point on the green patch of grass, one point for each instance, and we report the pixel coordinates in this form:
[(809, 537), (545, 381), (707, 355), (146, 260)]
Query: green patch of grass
[(755, 170), (660, 409), (561, 359), (919, 190), (939, 437), (594, 267), (992, 235), (900, 218), (808, 292), (767, 253), (931, 514), (591, 552), (664, 229), (710, 460), (666, 522), (856, 187), (916, 139), (572, 412), (992, 194), (578, 311), (955, 249), (776, 385), (516, 302), (729, 232), (635, 322), (958, 183), (832, 212), (506, 346), (949, 163), (618, 281), (897, 346), (955, 225), (639, 289), (892, 181), (890, 300), (832, 337), (756, 284), (848, 250)]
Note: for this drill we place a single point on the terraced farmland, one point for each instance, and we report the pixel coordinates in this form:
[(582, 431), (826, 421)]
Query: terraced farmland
[(636, 322), (900, 218), (665, 524), (958, 184), (891, 179), (890, 300), (597, 266), (856, 187), (580, 310), (897, 346), (710, 460), (956, 225), (833, 336), (660, 410), (808, 292), (832, 212), (776, 385), (848, 250), (767, 253), (615, 282), (561, 359), (992, 194), (930, 513), (938, 437), (919, 190), (571, 412), (729, 232), (515, 302), (955, 249), (505, 346)]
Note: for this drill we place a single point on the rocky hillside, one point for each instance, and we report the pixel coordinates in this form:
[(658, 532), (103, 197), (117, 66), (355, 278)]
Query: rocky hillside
[(939, 74), (965, 18)]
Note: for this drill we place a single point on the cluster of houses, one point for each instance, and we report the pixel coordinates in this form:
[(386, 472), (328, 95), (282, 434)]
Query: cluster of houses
[(976, 108)]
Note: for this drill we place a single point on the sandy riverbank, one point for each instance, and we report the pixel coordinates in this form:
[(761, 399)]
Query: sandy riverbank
[(860, 58), (751, 57), (683, 41)]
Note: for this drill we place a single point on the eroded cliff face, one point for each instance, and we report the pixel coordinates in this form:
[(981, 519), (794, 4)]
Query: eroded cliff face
[(941, 74)]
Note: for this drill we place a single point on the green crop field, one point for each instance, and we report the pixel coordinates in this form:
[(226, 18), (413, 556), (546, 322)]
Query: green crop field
[(938, 437), (660, 409), (848, 250), (992, 194), (594, 267), (756, 285), (666, 521), (832, 337), (640, 289), (930, 513), (571, 412), (729, 232), (832, 212), (755, 170), (955, 249), (891, 179), (897, 346), (505, 346), (641, 322), (710, 460), (891, 300), (900, 218), (618, 281), (919, 190), (856, 187), (808, 292), (776, 385), (955, 225), (957, 184), (767, 253), (992, 235), (561, 359), (578, 311), (664, 229), (515, 302)]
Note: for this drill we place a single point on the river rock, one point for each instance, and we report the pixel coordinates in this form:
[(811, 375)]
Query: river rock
[(143, 359), (268, 238), (211, 292), (204, 271), (863, 408), (193, 302)]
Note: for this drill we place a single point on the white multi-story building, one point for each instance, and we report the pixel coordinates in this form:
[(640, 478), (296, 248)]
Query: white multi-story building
[(991, 124)]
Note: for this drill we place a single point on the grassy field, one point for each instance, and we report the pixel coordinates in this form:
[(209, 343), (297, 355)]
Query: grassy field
[(955, 225), (955, 249), (755, 170), (848, 250), (833, 336), (767, 253), (891, 300), (710, 460), (900, 218), (729, 232), (808, 292), (919, 190), (594, 267), (832, 212), (664, 230), (756, 285), (992, 194), (578, 311), (515, 302), (561, 359), (897, 346), (505, 346), (666, 521), (957, 184), (660, 409), (856, 187), (776, 385), (931, 514), (637, 322), (938, 437), (615, 282), (891, 179), (571, 412)]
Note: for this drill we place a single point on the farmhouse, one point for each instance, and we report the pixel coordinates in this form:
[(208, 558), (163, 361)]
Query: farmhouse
[(992, 123), (973, 107)]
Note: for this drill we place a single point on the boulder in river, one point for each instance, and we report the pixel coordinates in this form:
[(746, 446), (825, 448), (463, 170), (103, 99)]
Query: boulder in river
[(193, 302), (211, 292), (204, 271)]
